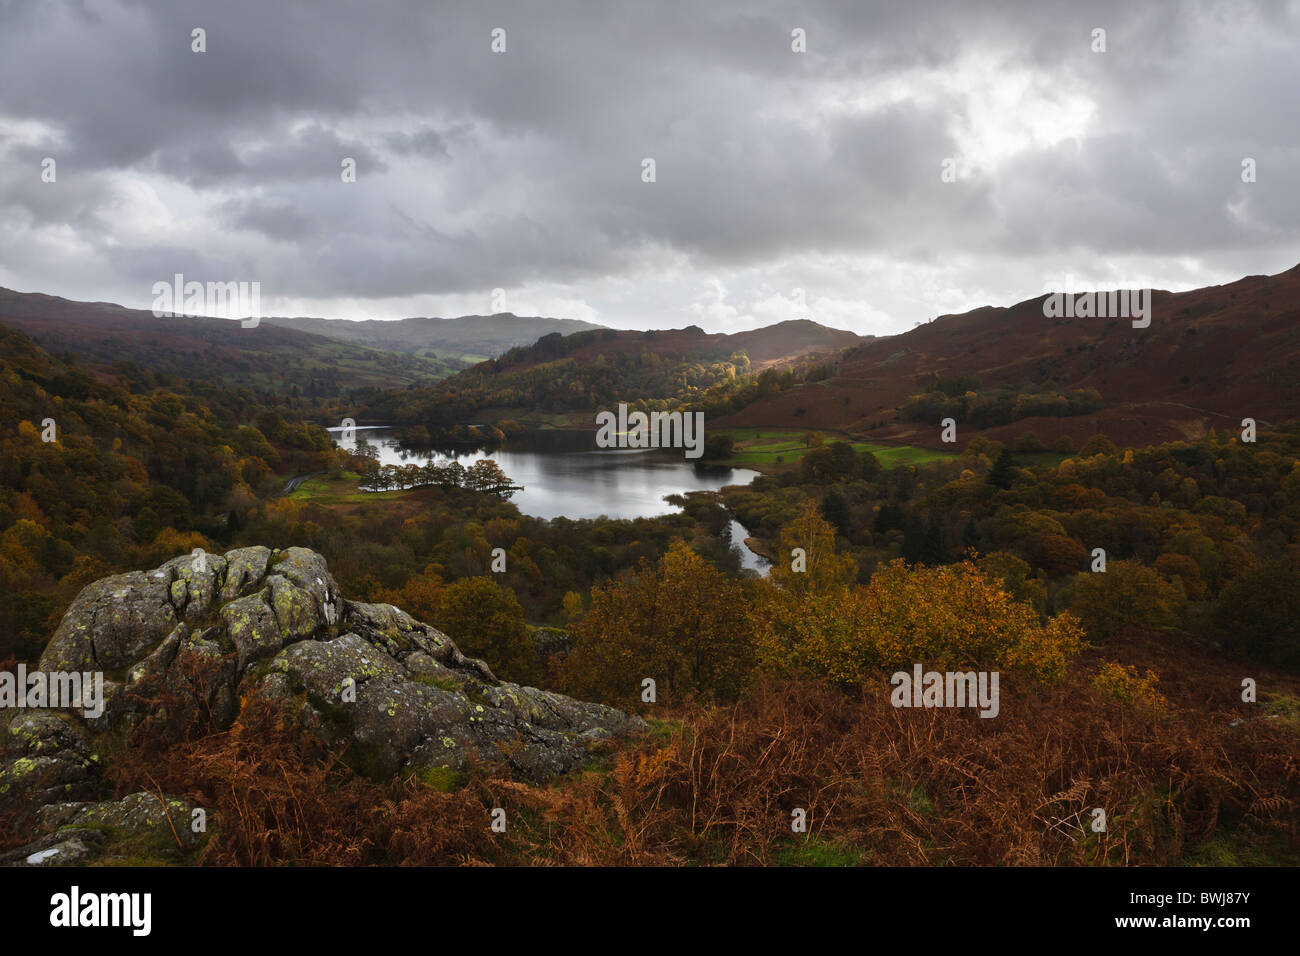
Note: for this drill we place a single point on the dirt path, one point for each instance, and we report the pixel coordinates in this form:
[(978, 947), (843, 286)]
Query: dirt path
[(292, 485)]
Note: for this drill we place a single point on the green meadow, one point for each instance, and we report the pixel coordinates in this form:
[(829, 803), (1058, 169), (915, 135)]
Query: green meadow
[(776, 446)]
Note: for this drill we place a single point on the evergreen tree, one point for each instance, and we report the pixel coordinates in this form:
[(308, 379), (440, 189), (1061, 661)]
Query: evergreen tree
[(836, 510), (1003, 473)]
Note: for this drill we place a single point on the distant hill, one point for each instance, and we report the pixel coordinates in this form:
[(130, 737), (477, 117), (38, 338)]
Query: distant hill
[(778, 344), (469, 336), (269, 357), (1209, 358), (572, 375), (323, 359)]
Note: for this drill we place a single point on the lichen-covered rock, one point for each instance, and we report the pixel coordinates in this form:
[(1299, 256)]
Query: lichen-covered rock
[(46, 758), (307, 571), (408, 701), (135, 813), (37, 733), (64, 848), (195, 583), (113, 622), (204, 632), (550, 641), (78, 831), (245, 568)]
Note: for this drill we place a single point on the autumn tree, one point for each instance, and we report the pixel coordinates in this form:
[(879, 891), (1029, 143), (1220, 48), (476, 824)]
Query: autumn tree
[(485, 475), (420, 596), (571, 605), (681, 622), (1098, 444), (486, 621), (954, 616), (1015, 577), (1259, 613), (807, 559), (807, 597), (1126, 593)]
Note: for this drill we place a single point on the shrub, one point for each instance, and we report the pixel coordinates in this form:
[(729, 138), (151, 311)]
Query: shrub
[(952, 615), (486, 621), (1125, 594), (1123, 683)]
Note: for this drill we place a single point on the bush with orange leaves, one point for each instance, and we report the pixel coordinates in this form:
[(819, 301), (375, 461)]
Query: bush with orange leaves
[(1124, 683), (816, 622)]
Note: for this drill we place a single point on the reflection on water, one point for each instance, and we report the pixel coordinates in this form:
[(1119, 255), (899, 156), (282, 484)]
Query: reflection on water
[(564, 476), (615, 482), (748, 559)]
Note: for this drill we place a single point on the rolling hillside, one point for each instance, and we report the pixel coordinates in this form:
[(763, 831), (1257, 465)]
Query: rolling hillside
[(562, 379), (471, 337), (267, 358), (1209, 358), (773, 345)]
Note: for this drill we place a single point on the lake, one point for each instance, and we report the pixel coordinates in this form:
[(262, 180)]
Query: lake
[(565, 476)]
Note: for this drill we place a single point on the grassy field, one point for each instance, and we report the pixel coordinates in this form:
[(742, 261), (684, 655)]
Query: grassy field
[(344, 488), (775, 446), (438, 354)]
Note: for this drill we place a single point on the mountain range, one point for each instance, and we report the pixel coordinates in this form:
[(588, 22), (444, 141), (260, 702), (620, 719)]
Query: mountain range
[(1209, 358)]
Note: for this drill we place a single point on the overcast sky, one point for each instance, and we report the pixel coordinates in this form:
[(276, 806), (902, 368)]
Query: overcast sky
[(776, 170)]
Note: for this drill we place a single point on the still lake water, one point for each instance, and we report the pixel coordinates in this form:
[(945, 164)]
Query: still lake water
[(564, 476)]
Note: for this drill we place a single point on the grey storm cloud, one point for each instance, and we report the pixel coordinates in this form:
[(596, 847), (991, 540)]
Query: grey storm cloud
[(775, 170), (275, 219)]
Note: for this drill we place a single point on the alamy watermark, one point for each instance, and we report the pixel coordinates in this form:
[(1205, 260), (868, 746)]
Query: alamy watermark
[(57, 690), (226, 300), (949, 689), (129, 910), (652, 430), (1063, 302)]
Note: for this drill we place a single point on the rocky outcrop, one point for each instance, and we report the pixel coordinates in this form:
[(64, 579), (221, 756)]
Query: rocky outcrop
[(549, 642), (207, 631), (78, 832)]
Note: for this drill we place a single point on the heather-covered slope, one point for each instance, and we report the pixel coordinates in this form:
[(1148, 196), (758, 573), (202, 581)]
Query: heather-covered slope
[(1209, 358)]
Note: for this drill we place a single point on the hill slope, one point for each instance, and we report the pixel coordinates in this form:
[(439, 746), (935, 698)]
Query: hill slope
[(475, 336), (1210, 357), (268, 357), (576, 374)]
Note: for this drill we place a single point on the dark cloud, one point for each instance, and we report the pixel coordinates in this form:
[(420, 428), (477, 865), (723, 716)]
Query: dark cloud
[(275, 219), (522, 170), (424, 140)]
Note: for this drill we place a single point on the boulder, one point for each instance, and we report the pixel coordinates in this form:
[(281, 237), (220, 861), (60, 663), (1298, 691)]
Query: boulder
[(204, 633), (78, 831)]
